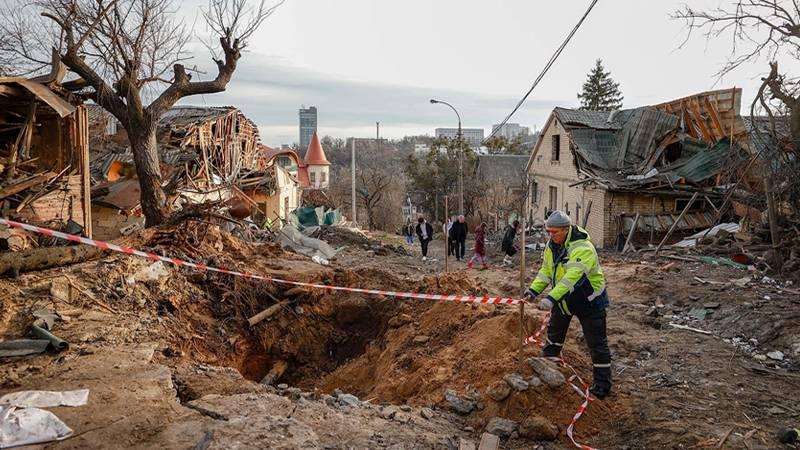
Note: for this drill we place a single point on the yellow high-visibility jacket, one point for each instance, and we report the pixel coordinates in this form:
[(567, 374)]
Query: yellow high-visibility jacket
[(576, 259)]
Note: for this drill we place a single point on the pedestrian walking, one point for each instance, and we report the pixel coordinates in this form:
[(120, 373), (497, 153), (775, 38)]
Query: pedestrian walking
[(480, 247), (408, 231), (425, 234), (459, 233), (508, 246)]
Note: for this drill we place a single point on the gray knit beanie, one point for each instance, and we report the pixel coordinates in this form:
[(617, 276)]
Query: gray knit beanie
[(557, 219)]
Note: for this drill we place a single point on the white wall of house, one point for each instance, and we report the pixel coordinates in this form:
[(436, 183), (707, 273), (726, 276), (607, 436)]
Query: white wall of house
[(553, 173), (319, 176), (288, 192)]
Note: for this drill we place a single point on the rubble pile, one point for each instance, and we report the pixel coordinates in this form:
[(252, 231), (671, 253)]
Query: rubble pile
[(342, 236)]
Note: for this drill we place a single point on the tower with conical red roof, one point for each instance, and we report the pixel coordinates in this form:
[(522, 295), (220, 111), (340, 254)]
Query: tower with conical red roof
[(317, 164)]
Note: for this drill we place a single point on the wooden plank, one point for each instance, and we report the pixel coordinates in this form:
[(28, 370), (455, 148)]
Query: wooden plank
[(82, 125), (695, 111), (714, 117), (489, 442), (628, 245), (26, 184), (687, 121), (675, 224)]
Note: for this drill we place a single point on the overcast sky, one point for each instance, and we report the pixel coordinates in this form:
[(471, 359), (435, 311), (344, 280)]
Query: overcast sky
[(362, 61)]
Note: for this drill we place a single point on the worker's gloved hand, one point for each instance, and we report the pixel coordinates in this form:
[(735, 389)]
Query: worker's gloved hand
[(546, 304), (529, 294)]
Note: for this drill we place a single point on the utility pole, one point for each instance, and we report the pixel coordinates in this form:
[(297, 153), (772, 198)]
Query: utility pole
[(377, 134), (353, 177), (460, 169)]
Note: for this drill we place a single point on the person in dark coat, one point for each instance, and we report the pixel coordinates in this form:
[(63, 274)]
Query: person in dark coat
[(508, 246), (425, 234), (480, 247), (408, 231), (459, 235)]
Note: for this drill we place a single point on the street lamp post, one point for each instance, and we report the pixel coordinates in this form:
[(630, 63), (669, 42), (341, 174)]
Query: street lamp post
[(459, 139)]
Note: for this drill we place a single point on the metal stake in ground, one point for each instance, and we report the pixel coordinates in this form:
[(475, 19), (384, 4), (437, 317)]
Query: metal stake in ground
[(446, 234)]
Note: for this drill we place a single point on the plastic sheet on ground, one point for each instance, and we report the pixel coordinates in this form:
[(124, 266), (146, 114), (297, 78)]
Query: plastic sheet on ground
[(46, 399), (306, 217), (22, 422), (691, 241), (308, 246), (25, 426)]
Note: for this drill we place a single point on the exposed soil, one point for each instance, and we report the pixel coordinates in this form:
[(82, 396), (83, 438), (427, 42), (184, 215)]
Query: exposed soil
[(178, 349)]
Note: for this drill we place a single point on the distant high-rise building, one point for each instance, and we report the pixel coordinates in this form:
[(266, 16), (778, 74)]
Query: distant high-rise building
[(473, 136), (308, 125), (510, 130)]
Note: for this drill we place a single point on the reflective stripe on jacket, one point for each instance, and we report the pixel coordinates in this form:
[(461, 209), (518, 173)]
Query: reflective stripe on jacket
[(576, 259)]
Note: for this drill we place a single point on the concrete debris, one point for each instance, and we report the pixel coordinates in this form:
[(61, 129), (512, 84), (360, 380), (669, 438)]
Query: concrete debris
[(775, 355), (499, 391), (426, 413), (421, 339), (349, 400), (516, 381), (389, 412), (501, 427), (153, 273), (548, 371), (459, 404), (534, 381)]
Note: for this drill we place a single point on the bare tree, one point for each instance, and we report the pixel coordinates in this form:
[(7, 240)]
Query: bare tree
[(764, 30), (127, 51), (375, 184), (759, 30)]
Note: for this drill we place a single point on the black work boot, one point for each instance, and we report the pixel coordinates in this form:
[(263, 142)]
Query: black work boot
[(599, 390), (601, 381)]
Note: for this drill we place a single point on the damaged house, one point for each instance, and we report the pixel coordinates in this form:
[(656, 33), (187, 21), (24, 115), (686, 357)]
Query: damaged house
[(607, 168), (207, 154), (44, 155)]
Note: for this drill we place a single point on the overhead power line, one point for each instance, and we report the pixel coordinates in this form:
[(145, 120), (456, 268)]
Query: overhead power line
[(546, 68)]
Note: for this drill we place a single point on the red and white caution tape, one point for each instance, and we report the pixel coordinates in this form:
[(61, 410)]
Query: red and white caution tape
[(205, 268), (583, 390)]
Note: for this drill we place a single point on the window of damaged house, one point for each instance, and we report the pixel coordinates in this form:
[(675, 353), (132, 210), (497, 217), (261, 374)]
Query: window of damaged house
[(313, 177), (322, 177), (553, 198), (556, 148), (681, 203), (534, 192)]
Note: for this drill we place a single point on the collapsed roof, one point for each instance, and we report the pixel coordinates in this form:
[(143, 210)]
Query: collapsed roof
[(655, 145)]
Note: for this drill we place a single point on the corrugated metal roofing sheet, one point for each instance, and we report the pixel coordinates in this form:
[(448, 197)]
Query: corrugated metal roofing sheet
[(622, 148), (701, 162), (591, 119)]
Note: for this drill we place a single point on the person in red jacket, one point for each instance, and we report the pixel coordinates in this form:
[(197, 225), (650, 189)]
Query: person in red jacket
[(480, 246)]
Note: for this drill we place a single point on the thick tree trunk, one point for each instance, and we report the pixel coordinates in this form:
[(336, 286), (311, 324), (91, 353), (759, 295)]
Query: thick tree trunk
[(43, 258), (146, 157)]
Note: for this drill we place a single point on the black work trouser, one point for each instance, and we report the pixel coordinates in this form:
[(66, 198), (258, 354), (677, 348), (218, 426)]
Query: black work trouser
[(461, 247), (424, 244), (592, 316)]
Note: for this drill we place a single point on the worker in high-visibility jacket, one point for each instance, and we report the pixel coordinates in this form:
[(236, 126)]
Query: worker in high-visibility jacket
[(570, 266)]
